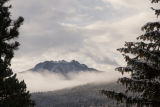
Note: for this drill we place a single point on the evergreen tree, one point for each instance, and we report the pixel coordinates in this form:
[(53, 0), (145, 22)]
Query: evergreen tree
[(13, 93), (143, 65)]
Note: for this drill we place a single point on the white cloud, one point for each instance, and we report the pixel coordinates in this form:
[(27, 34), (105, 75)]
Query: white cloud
[(49, 81), (89, 31), (136, 4), (99, 8)]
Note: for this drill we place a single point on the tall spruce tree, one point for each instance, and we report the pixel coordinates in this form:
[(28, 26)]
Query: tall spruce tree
[(143, 63), (13, 93)]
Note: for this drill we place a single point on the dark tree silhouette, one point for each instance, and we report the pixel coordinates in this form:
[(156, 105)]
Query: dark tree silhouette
[(13, 93), (143, 63)]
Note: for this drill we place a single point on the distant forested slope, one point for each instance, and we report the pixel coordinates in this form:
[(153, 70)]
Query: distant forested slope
[(81, 96)]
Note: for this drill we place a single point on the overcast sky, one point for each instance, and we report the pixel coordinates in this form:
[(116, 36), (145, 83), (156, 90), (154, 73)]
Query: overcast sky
[(89, 31)]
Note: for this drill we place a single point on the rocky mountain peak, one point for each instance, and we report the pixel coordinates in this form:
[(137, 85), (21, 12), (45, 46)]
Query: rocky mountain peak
[(62, 66)]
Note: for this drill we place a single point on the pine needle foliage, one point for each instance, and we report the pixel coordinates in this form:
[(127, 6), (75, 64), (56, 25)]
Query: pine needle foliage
[(143, 64), (13, 92)]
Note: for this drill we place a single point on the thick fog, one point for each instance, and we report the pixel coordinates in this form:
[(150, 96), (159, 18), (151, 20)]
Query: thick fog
[(49, 81)]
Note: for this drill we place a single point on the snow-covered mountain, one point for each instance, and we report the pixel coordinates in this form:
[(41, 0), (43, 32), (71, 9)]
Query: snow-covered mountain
[(62, 66)]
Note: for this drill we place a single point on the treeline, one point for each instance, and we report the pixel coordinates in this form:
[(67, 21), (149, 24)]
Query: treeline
[(82, 96)]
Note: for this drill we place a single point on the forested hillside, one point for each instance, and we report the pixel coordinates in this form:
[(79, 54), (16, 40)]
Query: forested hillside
[(82, 96)]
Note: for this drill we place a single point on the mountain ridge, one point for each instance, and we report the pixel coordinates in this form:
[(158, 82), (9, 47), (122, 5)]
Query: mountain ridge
[(61, 66)]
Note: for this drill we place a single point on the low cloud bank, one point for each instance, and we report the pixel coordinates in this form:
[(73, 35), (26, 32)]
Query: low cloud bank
[(49, 81)]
